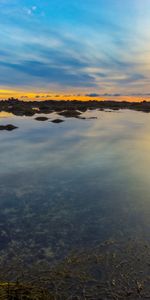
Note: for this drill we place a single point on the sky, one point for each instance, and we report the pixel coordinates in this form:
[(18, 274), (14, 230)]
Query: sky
[(74, 48)]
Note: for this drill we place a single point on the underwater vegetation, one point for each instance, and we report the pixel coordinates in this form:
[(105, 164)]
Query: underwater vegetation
[(113, 270)]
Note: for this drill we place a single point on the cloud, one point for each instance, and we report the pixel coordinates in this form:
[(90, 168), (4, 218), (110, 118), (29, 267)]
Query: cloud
[(31, 10), (60, 53), (131, 78), (50, 74), (24, 97), (34, 8), (92, 95)]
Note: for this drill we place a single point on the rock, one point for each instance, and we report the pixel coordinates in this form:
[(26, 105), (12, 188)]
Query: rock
[(23, 111), (92, 118), (41, 118), (68, 109), (29, 113), (82, 118), (70, 113), (57, 121), (8, 127)]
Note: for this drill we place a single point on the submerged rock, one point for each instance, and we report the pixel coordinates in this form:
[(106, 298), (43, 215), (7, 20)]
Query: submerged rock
[(41, 118), (8, 127), (57, 121)]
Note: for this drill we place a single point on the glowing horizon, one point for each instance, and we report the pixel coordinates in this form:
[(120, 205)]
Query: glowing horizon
[(21, 95)]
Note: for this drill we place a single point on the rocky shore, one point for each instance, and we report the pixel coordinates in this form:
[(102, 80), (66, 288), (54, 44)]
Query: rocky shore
[(67, 108)]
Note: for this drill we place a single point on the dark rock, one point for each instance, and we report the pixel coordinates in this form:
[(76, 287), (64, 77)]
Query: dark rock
[(91, 118), (22, 111), (57, 121), (42, 111), (41, 118), (86, 118), (68, 109), (29, 113), (8, 127), (17, 112), (82, 118), (70, 113)]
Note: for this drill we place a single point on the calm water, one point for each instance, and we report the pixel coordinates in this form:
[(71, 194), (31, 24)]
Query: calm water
[(73, 185)]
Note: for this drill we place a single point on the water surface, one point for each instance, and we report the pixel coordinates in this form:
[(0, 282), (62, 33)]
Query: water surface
[(73, 185)]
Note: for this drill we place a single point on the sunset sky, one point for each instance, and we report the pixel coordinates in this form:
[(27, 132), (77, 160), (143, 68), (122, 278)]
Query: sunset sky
[(67, 48)]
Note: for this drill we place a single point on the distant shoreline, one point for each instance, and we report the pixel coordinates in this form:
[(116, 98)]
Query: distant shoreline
[(69, 108)]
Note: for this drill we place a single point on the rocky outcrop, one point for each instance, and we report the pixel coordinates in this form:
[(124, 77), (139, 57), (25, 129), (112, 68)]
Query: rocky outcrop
[(57, 121), (8, 127)]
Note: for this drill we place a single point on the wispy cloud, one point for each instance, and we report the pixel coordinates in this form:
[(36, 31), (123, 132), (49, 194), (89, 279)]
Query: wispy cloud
[(30, 11), (75, 46)]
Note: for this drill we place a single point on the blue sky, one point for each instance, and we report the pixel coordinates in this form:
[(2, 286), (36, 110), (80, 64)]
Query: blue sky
[(75, 46)]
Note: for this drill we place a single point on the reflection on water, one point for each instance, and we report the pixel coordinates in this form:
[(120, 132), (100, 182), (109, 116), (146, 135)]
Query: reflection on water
[(4, 114), (74, 184)]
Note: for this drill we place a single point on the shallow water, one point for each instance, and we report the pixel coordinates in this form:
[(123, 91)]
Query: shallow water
[(73, 185)]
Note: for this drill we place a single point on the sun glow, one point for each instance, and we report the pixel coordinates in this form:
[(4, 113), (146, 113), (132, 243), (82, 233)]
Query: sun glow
[(33, 96)]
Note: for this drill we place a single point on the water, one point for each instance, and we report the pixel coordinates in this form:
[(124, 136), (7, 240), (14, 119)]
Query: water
[(73, 185)]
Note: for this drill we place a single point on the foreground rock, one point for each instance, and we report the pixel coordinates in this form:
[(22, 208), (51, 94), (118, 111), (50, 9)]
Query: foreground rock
[(8, 127)]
